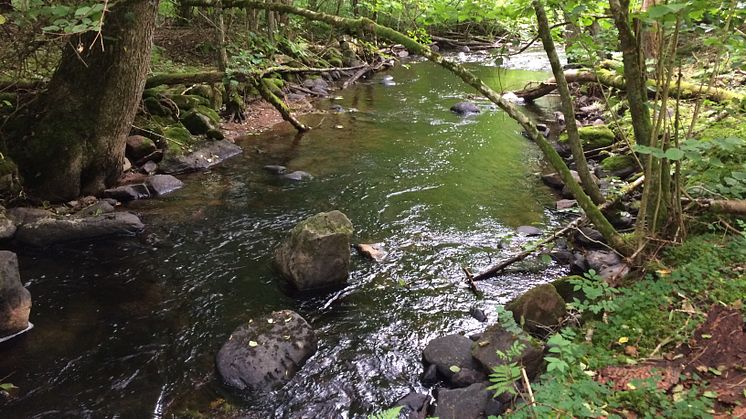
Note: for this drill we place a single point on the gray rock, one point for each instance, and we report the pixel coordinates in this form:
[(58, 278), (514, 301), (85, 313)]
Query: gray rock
[(298, 175), (266, 353), (316, 254), (590, 238), (478, 314), (15, 300), (564, 204), (495, 338), (467, 376), (275, 169), (414, 405), (614, 274), (529, 231), (160, 185), (100, 207), (465, 108), (23, 215), (149, 167), (46, 231), (127, 193), (7, 226), (554, 180), (450, 351), (473, 402), (430, 376), (208, 155), (600, 259)]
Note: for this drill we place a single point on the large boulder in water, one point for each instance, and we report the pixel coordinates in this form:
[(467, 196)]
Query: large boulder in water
[(539, 309), (316, 253), (266, 353), (15, 300), (207, 155)]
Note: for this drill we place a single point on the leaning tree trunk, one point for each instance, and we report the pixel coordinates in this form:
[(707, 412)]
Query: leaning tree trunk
[(76, 139)]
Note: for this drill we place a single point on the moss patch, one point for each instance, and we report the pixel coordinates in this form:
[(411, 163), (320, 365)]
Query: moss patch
[(613, 164), (593, 137)]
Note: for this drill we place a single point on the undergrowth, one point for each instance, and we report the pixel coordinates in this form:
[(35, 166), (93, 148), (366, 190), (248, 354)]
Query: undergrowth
[(644, 320)]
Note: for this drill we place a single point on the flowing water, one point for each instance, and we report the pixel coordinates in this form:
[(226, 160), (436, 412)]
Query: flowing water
[(129, 327)]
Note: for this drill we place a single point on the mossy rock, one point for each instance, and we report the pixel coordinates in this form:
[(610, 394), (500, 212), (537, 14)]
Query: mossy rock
[(215, 134), (210, 113), (273, 86), (593, 137), (180, 140), (203, 91), (539, 309), (149, 127), (154, 91), (335, 62), (565, 289), (197, 123), (154, 107), (189, 102), (9, 184), (620, 165)]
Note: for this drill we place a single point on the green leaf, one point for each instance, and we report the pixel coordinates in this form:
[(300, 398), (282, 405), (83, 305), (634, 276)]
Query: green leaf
[(454, 369), (7, 386), (253, 344), (674, 154), (710, 394), (3, 20)]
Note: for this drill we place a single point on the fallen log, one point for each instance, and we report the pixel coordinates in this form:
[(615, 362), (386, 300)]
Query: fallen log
[(724, 206), (493, 271), (360, 73), (611, 79), (261, 86)]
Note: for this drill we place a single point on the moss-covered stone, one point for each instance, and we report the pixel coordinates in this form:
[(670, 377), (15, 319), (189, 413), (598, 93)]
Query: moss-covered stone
[(620, 165), (180, 140), (189, 102), (210, 113), (197, 123), (565, 289), (539, 309), (593, 137), (154, 107), (215, 134), (154, 91)]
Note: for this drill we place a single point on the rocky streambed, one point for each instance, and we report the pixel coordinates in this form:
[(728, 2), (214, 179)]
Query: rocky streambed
[(132, 327)]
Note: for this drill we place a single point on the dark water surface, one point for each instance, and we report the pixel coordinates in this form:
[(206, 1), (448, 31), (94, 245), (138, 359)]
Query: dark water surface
[(129, 328)]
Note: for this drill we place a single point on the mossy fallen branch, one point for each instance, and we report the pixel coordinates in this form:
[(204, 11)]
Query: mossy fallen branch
[(611, 79)]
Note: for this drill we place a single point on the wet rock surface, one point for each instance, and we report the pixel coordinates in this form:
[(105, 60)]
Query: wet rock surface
[(208, 155), (316, 254), (50, 230), (15, 300), (473, 402), (451, 355), (465, 108), (266, 352)]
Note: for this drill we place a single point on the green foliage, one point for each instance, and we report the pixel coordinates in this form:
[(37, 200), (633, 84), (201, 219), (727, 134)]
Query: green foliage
[(504, 376), (59, 18), (392, 413), (598, 294), (660, 310)]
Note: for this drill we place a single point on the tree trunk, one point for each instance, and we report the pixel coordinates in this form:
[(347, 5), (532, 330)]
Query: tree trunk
[(589, 185), (650, 37), (79, 127)]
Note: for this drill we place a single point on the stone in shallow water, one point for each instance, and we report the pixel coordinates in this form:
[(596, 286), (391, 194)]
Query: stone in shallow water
[(465, 108), (472, 402), (15, 300), (160, 185), (267, 352), (316, 254), (529, 230), (46, 231), (127, 193), (208, 155), (275, 169), (450, 354), (372, 251), (298, 175)]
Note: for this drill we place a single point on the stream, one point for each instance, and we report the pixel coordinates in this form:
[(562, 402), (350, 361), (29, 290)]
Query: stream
[(129, 327)]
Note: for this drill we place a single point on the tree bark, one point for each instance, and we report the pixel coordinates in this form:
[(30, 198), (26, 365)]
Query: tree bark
[(75, 144), (589, 185)]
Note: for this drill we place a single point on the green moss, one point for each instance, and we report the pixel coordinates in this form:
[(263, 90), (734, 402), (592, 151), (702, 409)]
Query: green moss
[(593, 137), (189, 102), (210, 113), (615, 163), (335, 62), (154, 91), (154, 107), (180, 140)]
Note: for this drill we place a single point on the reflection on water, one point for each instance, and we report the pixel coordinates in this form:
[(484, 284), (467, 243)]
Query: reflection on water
[(129, 327)]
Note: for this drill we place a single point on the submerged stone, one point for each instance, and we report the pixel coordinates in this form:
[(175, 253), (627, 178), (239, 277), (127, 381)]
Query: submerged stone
[(465, 108), (47, 231)]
